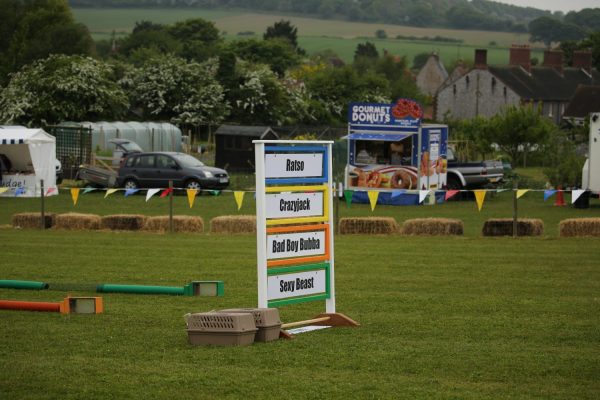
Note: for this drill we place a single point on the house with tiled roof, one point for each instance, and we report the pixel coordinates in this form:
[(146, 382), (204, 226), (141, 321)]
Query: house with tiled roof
[(486, 89), (585, 101), (432, 75)]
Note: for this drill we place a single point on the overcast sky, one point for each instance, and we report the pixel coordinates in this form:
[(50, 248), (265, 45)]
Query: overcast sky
[(555, 5)]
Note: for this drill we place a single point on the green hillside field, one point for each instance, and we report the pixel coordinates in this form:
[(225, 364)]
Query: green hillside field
[(315, 34)]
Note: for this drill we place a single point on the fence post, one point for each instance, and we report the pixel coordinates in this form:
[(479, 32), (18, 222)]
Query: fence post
[(515, 222), (170, 206), (43, 211)]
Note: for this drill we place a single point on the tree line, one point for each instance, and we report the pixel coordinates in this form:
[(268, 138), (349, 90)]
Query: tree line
[(460, 14), (184, 72)]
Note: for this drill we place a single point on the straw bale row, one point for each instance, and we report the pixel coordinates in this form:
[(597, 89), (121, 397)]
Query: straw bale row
[(374, 225), (185, 224), (504, 227), (433, 227), (235, 224), (579, 227), (33, 220)]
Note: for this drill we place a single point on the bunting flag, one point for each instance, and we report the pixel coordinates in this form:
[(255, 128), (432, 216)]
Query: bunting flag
[(19, 191), (521, 192), (88, 189), (397, 193), (239, 199), (575, 194), (450, 193), (373, 196), (215, 192), (110, 191), (3, 189), (501, 190), (166, 192), (50, 191), (422, 195), (75, 195), (548, 194), (348, 196), (129, 192), (479, 197), (191, 194), (151, 192)]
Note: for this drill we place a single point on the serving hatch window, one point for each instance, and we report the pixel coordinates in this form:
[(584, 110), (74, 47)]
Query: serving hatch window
[(383, 152)]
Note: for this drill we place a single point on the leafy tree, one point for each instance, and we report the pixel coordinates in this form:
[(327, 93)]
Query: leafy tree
[(420, 59), (548, 30), (278, 54), (381, 34), (517, 129), (332, 89), (565, 164), (199, 38), (33, 29), (171, 88), (62, 88), (261, 98), (365, 50), (155, 41), (588, 18), (284, 30)]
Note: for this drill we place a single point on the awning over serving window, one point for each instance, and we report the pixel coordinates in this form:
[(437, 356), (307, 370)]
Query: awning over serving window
[(389, 137)]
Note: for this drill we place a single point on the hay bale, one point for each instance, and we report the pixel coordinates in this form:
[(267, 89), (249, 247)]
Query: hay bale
[(32, 220), (579, 227), (504, 227), (123, 222), (369, 225), (233, 224), (77, 221), (433, 227), (181, 223)]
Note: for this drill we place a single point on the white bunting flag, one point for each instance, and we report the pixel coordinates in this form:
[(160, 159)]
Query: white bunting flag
[(151, 192)]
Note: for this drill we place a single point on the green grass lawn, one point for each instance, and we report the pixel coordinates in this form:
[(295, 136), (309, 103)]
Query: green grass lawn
[(313, 34), (468, 318)]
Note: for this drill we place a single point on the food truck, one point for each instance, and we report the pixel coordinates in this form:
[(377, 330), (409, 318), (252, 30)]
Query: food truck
[(390, 150)]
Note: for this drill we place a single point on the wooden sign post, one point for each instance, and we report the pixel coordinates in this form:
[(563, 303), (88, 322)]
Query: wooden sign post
[(294, 226)]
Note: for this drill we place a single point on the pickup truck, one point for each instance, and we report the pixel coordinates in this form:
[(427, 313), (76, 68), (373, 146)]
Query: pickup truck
[(473, 175)]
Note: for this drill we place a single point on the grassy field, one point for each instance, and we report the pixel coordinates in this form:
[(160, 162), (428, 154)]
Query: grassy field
[(314, 34), (441, 318), (207, 206)]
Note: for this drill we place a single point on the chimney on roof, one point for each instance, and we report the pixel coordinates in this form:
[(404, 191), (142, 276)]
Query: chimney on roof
[(480, 58), (520, 55), (583, 59), (554, 59)]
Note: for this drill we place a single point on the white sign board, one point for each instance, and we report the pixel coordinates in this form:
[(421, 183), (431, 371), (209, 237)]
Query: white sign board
[(296, 284), (294, 205), (295, 245), (292, 165)]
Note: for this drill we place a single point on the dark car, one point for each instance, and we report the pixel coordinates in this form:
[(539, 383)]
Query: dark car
[(155, 170)]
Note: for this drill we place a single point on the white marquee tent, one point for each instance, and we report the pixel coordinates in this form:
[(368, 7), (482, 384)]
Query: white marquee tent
[(32, 157)]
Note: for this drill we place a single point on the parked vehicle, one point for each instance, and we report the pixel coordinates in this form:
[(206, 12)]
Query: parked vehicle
[(473, 174), (104, 174), (156, 169)]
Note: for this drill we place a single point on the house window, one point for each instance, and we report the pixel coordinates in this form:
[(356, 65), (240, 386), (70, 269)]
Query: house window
[(454, 89), (493, 84), (467, 80), (504, 91), (550, 106)]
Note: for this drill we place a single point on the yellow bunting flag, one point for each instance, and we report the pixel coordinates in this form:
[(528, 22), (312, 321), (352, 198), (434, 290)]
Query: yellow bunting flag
[(3, 189), (239, 199), (191, 193), (110, 191), (373, 196), (479, 197), (521, 192), (75, 195)]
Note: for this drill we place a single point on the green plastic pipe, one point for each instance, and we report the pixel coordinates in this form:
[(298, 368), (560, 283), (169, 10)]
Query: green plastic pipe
[(31, 285), (139, 289)]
